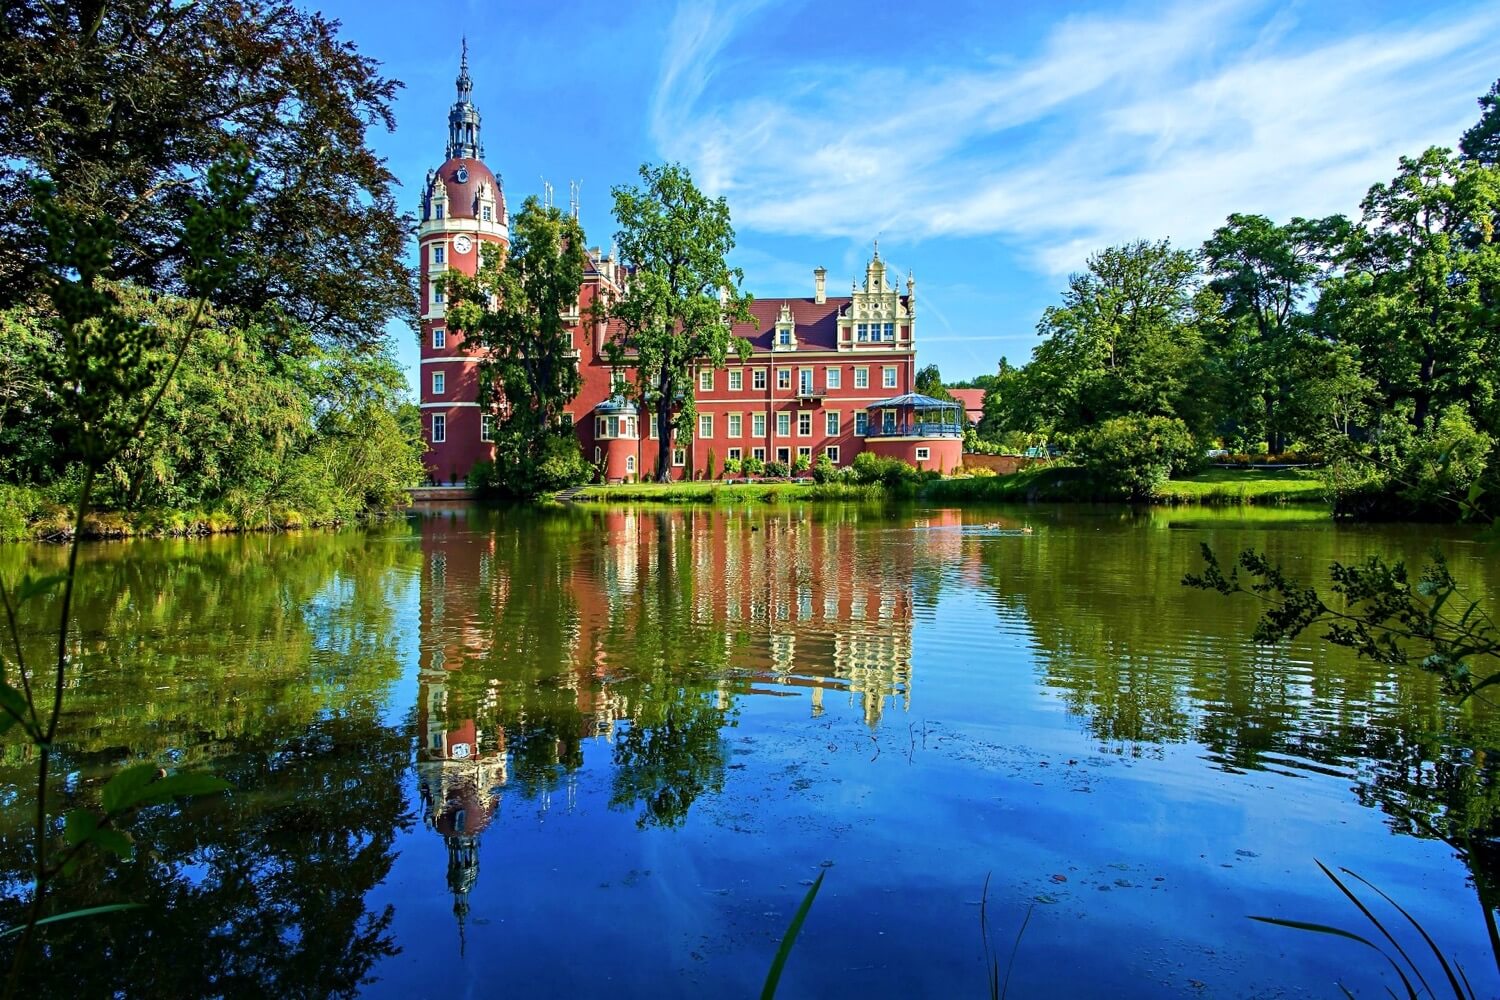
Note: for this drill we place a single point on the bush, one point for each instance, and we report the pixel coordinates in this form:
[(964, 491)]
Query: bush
[(754, 466), (1132, 456), (801, 463), (732, 467), (869, 467), (776, 470), (823, 470), (558, 464)]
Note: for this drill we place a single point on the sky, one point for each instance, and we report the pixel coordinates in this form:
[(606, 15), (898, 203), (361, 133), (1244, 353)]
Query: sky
[(989, 147)]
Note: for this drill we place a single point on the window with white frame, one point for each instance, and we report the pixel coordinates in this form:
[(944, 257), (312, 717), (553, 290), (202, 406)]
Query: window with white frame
[(705, 425), (758, 379), (655, 433), (890, 332), (783, 455), (439, 338), (805, 451), (630, 464), (923, 454), (486, 213), (888, 377), (439, 428), (864, 333), (439, 383), (679, 456), (804, 425), (861, 378), (831, 423), (783, 424), (437, 253), (735, 453), (438, 210), (758, 453), (706, 380), (437, 293), (861, 423), (833, 377), (758, 425), (486, 427), (736, 425), (783, 378), (597, 454), (736, 380), (784, 337), (833, 454)]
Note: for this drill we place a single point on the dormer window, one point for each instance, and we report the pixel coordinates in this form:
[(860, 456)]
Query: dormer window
[(786, 329)]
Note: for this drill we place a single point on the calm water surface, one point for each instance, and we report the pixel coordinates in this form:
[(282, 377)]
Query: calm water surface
[(602, 752)]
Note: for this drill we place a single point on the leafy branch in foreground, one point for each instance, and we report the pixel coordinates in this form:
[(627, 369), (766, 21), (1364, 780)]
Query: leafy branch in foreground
[(1383, 615), (113, 370)]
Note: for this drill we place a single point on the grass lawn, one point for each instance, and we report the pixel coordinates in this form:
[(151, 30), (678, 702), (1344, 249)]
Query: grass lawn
[(1257, 486)]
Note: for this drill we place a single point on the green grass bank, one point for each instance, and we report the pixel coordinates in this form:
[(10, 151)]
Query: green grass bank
[(1049, 484)]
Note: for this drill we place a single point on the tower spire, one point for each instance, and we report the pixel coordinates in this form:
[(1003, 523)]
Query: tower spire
[(463, 117)]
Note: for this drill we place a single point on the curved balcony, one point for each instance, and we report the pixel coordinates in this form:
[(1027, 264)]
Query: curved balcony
[(914, 415)]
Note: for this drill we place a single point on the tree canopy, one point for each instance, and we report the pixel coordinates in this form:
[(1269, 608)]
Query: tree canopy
[(682, 298), (120, 105)]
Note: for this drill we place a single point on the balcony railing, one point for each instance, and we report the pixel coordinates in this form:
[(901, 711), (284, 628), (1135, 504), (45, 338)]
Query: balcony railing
[(808, 392), (917, 429)]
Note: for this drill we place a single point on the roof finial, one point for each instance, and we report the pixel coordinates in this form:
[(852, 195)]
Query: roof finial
[(877, 248)]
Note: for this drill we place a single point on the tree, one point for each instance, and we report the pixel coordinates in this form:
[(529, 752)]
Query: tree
[(1482, 141), (1263, 273), (118, 106), (514, 312), (1128, 339), (682, 299), (929, 382)]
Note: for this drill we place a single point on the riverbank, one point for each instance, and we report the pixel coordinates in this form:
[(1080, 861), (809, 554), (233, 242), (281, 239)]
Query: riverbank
[(1046, 484), (30, 516)]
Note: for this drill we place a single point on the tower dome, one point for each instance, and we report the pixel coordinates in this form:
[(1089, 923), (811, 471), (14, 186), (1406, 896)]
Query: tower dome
[(463, 184)]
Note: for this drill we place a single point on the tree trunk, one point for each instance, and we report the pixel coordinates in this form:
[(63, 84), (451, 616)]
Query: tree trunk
[(663, 418)]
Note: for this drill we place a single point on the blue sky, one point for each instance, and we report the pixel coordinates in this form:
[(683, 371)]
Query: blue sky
[(989, 146)]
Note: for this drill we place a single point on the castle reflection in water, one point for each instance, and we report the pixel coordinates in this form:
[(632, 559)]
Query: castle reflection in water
[(566, 622)]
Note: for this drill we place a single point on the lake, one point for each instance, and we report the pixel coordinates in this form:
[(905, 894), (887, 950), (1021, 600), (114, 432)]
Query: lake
[(602, 751)]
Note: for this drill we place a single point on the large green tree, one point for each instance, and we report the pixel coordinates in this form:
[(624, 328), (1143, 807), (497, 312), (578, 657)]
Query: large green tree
[(1482, 141), (1127, 339), (1265, 273), (514, 311), (120, 105), (1420, 293), (682, 298)]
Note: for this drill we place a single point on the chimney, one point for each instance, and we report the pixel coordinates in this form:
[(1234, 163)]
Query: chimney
[(820, 281)]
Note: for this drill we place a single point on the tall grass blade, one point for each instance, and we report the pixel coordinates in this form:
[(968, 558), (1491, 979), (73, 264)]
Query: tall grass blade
[(782, 953), (991, 963), (1302, 925), (91, 911), (1447, 971), (1011, 964), (1381, 928)]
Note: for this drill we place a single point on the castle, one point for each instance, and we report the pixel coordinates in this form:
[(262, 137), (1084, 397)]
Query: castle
[(826, 375)]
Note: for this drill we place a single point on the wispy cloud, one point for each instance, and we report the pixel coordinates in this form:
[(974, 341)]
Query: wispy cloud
[(1111, 128)]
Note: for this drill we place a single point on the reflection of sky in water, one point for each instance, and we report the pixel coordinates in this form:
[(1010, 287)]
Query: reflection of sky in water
[(637, 735)]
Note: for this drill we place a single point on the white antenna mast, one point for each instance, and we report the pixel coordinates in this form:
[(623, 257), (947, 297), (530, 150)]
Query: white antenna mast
[(574, 189)]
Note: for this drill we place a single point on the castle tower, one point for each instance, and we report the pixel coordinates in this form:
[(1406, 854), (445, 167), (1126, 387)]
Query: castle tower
[(462, 216)]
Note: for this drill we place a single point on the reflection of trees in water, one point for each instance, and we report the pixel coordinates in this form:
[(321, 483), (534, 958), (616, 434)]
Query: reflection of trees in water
[(1141, 660), (268, 660)]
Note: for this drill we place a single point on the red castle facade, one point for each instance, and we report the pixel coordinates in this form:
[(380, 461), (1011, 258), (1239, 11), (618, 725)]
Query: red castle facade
[(827, 375)]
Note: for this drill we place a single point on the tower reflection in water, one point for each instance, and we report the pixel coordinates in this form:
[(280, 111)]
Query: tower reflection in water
[(542, 634)]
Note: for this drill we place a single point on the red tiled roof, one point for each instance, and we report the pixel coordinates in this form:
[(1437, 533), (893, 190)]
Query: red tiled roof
[(817, 325), (972, 400)]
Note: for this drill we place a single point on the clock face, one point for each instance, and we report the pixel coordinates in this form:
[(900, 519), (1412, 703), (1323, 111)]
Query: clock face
[(462, 244), (461, 175)]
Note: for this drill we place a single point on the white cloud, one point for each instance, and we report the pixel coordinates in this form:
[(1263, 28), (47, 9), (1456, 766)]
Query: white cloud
[(1115, 128)]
